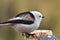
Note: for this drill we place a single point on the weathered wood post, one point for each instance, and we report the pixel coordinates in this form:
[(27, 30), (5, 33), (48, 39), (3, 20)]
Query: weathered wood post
[(35, 35)]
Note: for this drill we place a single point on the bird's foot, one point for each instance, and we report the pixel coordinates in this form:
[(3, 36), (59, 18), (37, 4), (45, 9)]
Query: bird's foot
[(28, 35)]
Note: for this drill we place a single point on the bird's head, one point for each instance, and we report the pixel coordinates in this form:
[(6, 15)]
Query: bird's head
[(38, 16)]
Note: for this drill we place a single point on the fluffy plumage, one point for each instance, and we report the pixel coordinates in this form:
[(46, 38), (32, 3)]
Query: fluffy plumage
[(25, 21)]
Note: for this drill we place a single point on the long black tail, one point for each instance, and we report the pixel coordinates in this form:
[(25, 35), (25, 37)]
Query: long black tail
[(4, 23)]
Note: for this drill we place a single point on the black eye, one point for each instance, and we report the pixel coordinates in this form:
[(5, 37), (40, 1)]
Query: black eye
[(39, 16)]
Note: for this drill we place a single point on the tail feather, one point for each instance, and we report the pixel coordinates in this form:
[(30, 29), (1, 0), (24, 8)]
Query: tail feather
[(4, 23)]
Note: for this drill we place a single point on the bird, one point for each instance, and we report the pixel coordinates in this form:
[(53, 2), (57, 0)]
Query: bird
[(25, 22)]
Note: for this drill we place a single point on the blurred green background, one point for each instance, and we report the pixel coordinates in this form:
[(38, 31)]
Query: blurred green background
[(49, 8)]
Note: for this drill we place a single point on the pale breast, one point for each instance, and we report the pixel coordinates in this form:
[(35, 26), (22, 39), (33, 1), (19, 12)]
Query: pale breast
[(22, 28)]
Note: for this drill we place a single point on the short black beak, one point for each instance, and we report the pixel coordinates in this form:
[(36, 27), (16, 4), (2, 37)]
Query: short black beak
[(42, 16)]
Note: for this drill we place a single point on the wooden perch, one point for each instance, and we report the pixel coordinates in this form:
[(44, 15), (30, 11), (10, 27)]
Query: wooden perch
[(35, 35)]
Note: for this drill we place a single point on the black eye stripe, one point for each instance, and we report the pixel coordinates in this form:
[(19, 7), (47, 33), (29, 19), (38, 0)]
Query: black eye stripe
[(39, 16)]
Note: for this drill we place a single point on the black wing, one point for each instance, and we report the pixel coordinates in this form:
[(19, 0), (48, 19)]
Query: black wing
[(19, 22), (25, 13)]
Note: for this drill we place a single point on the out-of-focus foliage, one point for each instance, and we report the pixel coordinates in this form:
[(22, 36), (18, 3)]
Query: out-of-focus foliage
[(49, 8)]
